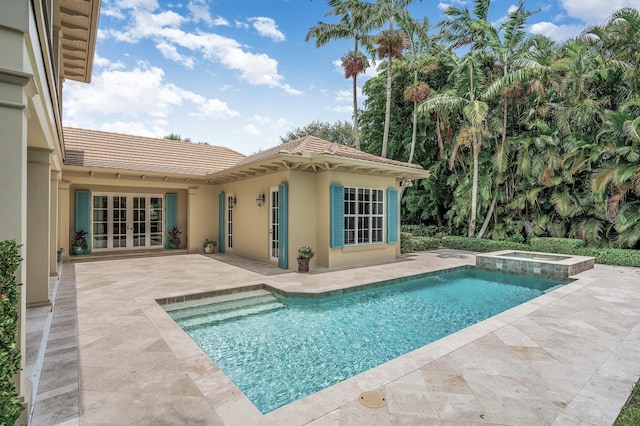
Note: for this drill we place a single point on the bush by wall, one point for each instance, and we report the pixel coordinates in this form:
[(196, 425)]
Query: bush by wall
[(406, 243), (556, 245), (423, 230), (481, 245), (10, 407), (426, 243), (609, 256)]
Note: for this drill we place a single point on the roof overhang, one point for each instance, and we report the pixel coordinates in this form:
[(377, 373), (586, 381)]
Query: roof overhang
[(133, 175), (78, 22), (316, 163)]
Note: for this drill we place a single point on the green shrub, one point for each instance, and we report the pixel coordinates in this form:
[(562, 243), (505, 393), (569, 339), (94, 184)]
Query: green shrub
[(481, 245), (406, 244), (10, 407), (609, 256), (426, 243), (423, 230), (556, 245)]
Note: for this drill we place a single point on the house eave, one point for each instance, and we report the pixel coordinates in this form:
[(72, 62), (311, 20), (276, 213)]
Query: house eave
[(316, 163), (133, 175)]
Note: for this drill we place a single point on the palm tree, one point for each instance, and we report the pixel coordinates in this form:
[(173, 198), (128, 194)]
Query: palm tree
[(470, 78), (392, 43), (619, 39), (354, 23), (420, 43)]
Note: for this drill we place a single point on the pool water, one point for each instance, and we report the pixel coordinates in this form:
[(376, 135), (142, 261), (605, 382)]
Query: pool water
[(285, 354)]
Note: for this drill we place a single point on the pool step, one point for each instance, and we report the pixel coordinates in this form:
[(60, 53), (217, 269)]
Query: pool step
[(215, 299), (209, 310), (214, 317), (213, 307)]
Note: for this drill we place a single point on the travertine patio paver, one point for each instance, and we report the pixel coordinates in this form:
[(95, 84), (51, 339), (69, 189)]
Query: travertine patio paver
[(567, 357)]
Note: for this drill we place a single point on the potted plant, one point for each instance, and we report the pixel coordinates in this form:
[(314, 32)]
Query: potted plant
[(79, 241), (208, 246), (174, 237), (304, 256), (59, 254)]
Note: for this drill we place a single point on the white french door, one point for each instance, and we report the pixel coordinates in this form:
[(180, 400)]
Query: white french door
[(273, 224), (126, 221)]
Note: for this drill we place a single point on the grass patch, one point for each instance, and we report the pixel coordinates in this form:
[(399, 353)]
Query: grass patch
[(630, 413)]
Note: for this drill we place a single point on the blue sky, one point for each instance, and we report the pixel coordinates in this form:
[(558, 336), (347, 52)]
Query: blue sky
[(239, 73)]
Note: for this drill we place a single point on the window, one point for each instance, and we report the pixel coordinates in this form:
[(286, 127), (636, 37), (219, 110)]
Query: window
[(363, 216), (231, 201)]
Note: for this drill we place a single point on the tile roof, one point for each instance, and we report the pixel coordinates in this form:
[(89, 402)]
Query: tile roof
[(91, 148), (315, 145)]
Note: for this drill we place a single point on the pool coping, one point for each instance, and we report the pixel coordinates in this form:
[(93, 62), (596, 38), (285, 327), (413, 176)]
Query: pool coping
[(321, 403)]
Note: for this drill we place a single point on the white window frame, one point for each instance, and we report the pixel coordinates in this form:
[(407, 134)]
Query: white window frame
[(363, 216)]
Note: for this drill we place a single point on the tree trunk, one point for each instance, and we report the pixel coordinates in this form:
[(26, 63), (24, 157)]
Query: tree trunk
[(487, 219), (415, 119), (355, 113), (439, 137), (387, 113), (474, 189)]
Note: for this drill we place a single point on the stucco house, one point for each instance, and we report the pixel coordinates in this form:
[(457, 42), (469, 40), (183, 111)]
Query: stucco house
[(128, 191)]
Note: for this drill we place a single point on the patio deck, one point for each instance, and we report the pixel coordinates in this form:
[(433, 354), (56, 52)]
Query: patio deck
[(113, 355)]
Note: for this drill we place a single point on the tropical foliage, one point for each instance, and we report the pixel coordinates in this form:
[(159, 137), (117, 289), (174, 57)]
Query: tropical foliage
[(10, 406), (339, 132), (525, 137)]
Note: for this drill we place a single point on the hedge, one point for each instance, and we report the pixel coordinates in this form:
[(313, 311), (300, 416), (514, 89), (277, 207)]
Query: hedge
[(10, 406), (481, 245), (610, 256), (426, 243), (556, 245), (406, 242)]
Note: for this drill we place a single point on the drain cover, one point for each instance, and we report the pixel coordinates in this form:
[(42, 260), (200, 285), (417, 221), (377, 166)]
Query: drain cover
[(373, 399)]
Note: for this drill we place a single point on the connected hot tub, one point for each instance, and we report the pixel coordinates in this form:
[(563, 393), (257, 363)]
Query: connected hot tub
[(546, 265)]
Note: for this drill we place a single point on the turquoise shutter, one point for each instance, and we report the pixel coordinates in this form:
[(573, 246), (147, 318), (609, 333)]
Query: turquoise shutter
[(337, 215), (171, 216), (392, 215), (221, 200), (83, 215), (283, 226)]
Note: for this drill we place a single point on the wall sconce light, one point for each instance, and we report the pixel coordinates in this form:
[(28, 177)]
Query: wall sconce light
[(232, 202), (260, 199)]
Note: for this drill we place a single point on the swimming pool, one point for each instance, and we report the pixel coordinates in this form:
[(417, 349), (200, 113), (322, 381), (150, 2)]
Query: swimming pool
[(280, 349)]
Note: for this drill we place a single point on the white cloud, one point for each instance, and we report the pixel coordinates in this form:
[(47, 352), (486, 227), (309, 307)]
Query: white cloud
[(215, 108), (140, 92), (164, 29), (101, 62), (250, 129), (556, 32), (240, 24), (199, 11), (267, 27), (220, 22), (170, 52), (595, 11)]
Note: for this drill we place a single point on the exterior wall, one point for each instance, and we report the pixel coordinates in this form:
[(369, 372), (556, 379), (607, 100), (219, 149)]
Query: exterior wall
[(194, 204), (202, 209), (251, 222), (303, 216), (29, 119), (38, 232)]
